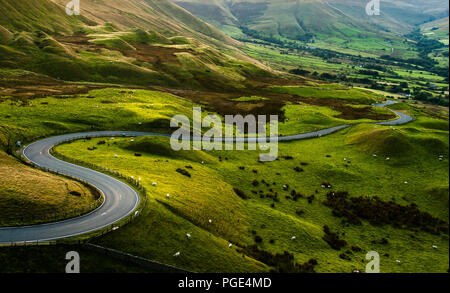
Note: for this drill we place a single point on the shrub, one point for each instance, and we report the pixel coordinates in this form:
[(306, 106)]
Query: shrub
[(240, 193), (333, 239), (298, 169), (281, 262), (184, 172), (379, 213)]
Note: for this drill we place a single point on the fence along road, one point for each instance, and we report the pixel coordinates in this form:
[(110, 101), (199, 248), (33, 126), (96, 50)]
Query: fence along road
[(120, 199)]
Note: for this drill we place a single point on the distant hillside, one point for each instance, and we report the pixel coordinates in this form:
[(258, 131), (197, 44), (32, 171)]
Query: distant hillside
[(150, 42), (342, 23)]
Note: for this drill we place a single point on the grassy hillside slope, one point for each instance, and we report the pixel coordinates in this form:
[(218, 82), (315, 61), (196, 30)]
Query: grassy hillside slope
[(132, 42)]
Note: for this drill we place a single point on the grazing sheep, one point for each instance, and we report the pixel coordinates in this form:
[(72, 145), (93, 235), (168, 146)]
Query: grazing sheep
[(210, 221), (116, 156), (188, 236), (435, 247), (168, 195), (230, 245), (397, 261), (387, 159), (293, 238), (115, 228), (132, 140), (154, 184), (345, 159), (374, 156), (406, 182), (177, 254), (139, 179)]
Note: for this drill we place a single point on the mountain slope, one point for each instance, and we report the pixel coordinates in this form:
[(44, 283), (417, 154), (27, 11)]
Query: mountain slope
[(342, 24), (151, 42)]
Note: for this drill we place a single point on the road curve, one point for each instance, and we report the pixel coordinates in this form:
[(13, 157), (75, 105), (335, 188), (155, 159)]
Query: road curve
[(120, 199)]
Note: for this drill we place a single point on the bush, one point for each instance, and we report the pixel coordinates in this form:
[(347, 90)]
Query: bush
[(333, 239), (184, 172), (240, 193), (379, 213)]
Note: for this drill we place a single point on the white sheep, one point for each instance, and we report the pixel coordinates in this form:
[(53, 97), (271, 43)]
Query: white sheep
[(177, 254), (154, 184), (398, 261), (387, 159), (116, 156), (210, 221), (168, 195), (188, 236), (435, 247), (293, 238), (230, 245)]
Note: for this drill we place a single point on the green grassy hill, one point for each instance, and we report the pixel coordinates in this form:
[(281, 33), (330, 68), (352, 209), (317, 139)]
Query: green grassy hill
[(132, 42), (343, 24)]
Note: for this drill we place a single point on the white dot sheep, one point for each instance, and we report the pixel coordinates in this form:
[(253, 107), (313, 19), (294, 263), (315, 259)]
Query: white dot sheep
[(406, 182), (374, 156), (387, 159), (293, 238), (230, 245), (435, 247), (177, 254), (397, 261), (188, 236), (154, 184), (210, 221), (345, 159), (168, 195), (116, 156)]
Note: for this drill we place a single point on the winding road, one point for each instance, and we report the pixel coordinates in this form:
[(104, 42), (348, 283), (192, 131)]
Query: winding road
[(120, 199)]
